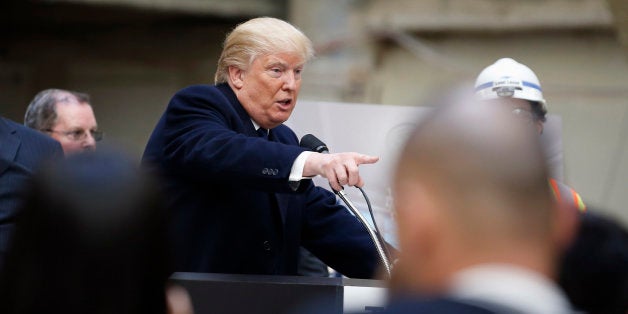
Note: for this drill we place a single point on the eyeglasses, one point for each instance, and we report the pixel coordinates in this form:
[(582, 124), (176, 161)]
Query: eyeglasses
[(524, 115), (79, 135)]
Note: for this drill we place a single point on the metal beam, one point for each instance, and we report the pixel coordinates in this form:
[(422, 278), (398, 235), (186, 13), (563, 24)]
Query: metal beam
[(488, 15), (201, 7), (620, 17)]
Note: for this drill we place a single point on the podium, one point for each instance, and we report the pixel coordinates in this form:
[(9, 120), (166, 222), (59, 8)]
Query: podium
[(261, 294)]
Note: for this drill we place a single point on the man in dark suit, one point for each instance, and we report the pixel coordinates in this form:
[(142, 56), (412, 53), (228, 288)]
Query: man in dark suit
[(22, 150), (237, 180), (479, 231)]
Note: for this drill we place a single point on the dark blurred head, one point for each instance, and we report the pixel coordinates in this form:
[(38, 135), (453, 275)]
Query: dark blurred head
[(91, 238), (594, 270)]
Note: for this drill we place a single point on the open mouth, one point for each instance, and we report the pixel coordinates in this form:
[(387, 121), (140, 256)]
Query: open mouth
[(285, 102)]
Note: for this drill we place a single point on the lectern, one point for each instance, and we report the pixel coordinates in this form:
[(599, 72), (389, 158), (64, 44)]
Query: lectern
[(261, 294)]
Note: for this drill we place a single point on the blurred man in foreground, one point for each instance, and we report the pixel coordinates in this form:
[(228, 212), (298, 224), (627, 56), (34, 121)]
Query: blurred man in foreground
[(67, 117), (476, 221), (91, 238)]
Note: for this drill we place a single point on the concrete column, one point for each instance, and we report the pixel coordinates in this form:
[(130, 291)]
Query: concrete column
[(341, 68)]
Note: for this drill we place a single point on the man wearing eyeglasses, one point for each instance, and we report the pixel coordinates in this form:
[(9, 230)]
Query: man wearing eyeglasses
[(66, 116)]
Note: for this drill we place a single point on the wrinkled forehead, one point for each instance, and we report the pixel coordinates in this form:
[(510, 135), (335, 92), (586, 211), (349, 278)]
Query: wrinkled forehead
[(74, 112)]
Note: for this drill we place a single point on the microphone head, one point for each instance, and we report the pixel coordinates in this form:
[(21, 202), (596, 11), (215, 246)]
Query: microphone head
[(312, 143)]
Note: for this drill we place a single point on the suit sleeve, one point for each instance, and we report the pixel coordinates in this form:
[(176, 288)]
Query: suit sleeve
[(203, 138)]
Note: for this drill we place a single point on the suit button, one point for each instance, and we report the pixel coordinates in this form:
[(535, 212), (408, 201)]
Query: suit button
[(267, 246), (275, 172), (265, 171)]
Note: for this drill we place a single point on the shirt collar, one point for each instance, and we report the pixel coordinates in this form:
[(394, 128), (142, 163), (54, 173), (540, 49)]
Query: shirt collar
[(510, 286), (256, 126)]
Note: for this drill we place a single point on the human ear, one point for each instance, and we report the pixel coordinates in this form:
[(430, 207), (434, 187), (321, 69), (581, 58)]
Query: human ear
[(236, 76)]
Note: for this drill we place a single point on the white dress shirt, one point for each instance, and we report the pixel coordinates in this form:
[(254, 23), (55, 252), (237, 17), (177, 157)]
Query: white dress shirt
[(296, 172)]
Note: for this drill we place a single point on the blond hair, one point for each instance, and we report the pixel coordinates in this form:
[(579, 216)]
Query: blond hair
[(257, 37)]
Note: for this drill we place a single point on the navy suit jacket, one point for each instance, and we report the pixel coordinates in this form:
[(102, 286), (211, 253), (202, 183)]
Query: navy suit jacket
[(233, 210), (441, 306), (22, 150)]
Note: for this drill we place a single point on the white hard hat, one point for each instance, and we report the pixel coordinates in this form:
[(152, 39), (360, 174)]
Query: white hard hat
[(509, 78)]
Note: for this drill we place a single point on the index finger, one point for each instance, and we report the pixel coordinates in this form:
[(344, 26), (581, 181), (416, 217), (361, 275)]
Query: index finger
[(366, 159)]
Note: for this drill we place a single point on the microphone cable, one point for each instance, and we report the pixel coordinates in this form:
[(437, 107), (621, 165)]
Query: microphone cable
[(380, 236), (314, 144)]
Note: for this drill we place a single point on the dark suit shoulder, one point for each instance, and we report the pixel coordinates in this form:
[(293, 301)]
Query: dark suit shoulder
[(37, 138), (444, 306), (23, 150), (202, 89), (216, 93), (31, 140), (201, 99)]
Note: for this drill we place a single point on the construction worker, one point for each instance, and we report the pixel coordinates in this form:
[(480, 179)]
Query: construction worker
[(511, 80)]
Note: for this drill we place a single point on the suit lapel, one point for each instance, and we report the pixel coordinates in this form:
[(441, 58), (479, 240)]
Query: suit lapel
[(282, 200), (249, 129), (9, 144)]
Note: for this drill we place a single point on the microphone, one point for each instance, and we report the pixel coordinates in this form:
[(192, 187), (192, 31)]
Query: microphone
[(312, 143)]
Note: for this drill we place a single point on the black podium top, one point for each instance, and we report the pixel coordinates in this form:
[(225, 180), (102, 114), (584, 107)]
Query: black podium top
[(235, 293)]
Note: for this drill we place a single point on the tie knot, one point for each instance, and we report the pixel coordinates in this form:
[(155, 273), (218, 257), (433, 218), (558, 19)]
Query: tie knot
[(262, 133)]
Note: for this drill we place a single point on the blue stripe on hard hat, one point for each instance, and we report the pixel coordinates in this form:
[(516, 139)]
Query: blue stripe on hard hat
[(483, 86), (528, 84), (524, 83)]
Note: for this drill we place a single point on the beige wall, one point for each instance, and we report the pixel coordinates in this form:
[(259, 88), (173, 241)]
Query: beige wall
[(418, 47), (585, 80)]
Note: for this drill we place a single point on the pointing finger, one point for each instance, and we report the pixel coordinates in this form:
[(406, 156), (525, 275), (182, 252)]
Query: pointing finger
[(366, 159)]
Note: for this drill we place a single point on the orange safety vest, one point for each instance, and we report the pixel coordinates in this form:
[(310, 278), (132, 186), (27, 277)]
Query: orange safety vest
[(566, 195)]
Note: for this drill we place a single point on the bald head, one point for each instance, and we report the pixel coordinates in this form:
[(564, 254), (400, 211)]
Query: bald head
[(471, 184), (482, 161)]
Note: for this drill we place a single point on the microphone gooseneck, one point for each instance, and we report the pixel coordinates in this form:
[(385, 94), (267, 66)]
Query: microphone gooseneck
[(312, 143)]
